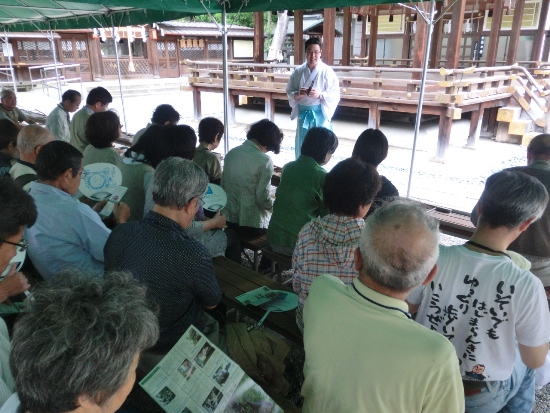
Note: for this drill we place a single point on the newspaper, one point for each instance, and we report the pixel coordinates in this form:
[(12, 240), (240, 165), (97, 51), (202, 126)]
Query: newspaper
[(197, 377)]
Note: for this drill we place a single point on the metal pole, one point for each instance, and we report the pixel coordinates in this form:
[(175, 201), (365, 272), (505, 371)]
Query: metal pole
[(9, 60), (430, 23), (225, 82), (118, 72), (52, 43)]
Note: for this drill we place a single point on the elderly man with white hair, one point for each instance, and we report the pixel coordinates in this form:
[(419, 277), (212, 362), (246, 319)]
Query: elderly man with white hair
[(8, 109), (495, 313), (364, 353), (29, 142)]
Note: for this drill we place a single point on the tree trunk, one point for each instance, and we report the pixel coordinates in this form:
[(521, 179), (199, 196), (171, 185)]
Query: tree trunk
[(279, 35)]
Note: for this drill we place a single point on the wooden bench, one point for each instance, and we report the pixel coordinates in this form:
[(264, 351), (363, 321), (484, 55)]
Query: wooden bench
[(453, 223), (255, 245), (284, 262), (234, 280)]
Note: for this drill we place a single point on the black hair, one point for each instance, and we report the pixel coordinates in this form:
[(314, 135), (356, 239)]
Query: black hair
[(318, 142), (371, 147), (313, 40), (8, 133), (209, 128), (165, 113), (55, 158), (267, 134), (102, 129), (70, 95), (17, 208), (540, 146), (99, 94), (349, 186)]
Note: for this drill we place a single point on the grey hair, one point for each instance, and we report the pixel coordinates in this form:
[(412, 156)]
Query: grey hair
[(177, 181), (5, 93), (31, 136), (510, 198), (79, 337), (399, 245)]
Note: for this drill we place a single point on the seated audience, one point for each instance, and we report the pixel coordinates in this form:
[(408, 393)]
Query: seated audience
[(8, 145), (158, 251), (326, 245), (495, 314), (371, 148), (9, 111), (59, 120), (67, 233), (299, 197), (29, 142), (97, 101), (77, 346), (246, 179), (17, 210), (364, 353), (163, 115), (210, 135)]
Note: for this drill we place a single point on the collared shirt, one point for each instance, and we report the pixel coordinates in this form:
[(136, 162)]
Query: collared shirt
[(67, 233), (246, 179), (5, 164), (325, 246), (361, 357), (176, 269), (21, 168), (78, 127), (209, 162), (299, 199), (58, 122), (15, 115)]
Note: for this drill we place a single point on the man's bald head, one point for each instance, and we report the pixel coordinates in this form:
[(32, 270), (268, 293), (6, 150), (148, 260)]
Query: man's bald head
[(539, 148), (399, 245), (30, 139)]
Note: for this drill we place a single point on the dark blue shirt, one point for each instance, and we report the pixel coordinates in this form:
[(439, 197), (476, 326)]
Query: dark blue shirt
[(176, 269)]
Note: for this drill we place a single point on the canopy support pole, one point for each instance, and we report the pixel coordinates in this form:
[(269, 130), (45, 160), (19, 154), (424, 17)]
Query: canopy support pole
[(52, 43), (430, 23), (9, 60), (225, 83), (118, 72)]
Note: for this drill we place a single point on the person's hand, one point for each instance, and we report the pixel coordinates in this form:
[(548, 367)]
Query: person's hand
[(313, 93), (13, 283), (99, 206), (219, 220), (121, 212)]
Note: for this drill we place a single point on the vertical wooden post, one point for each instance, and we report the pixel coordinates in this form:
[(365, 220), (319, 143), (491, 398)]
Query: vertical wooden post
[(455, 39), (269, 107), (95, 58), (363, 36), (258, 37), (346, 51), (475, 126), (231, 116), (374, 116), (514, 35), (329, 22), (541, 33), (298, 37), (197, 103), (407, 37), (420, 40), (435, 53), (373, 37), (153, 58), (494, 34), (444, 136)]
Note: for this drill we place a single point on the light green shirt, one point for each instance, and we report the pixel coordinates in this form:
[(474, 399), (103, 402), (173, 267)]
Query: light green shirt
[(209, 162), (78, 127), (361, 357)]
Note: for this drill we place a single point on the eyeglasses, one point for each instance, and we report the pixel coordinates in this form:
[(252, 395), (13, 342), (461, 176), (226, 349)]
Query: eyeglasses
[(23, 245)]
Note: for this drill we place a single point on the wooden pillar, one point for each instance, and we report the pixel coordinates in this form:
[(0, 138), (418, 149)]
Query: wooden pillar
[(197, 104), (444, 136), (494, 34), (437, 37), (476, 121), (420, 39), (407, 37), (455, 39), (514, 35), (373, 37), (96, 62), (363, 36), (231, 115), (258, 37), (329, 22), (374, 116), (540, 35), (269, 107), (346, 51), (153, 58), (298, 37)]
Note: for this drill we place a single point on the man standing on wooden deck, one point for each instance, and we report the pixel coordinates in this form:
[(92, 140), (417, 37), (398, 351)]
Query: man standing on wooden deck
[(313, 93)]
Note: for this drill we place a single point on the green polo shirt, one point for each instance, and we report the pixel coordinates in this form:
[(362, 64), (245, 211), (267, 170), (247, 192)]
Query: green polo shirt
[(78, 127), (299, 199)]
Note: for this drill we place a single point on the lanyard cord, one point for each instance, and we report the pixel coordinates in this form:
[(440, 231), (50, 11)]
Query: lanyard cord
[(483, 247), (381, 305)]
